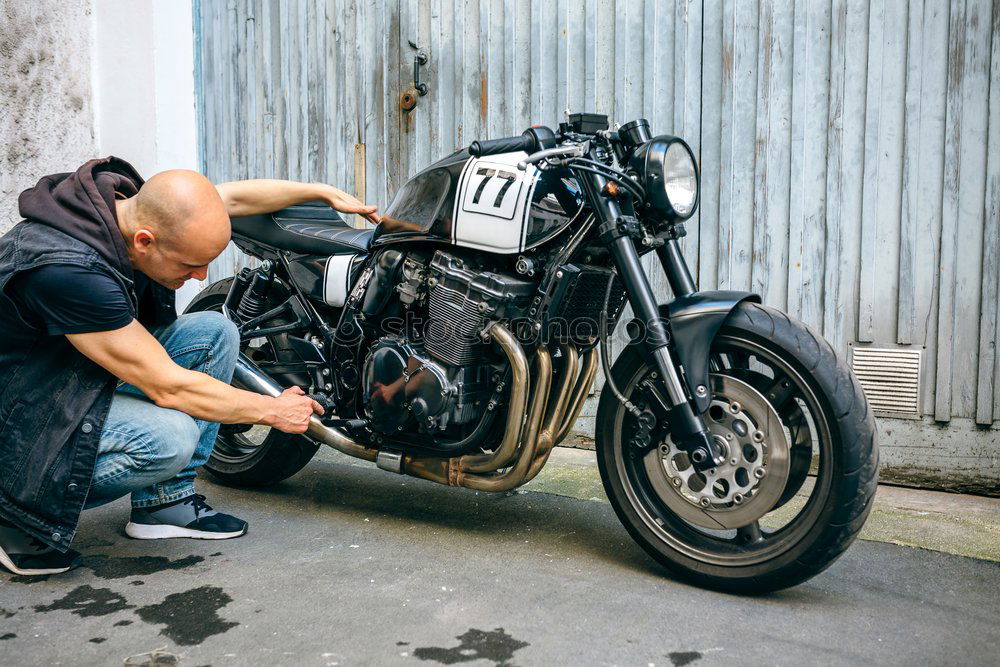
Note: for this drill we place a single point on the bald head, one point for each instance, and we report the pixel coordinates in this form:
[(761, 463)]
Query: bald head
[(176, 221), (171, 201)]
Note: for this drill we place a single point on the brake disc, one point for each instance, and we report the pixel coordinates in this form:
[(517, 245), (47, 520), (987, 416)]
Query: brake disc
[(750, 482)]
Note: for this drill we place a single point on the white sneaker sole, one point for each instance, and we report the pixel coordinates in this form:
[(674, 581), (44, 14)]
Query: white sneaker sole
[(9, 564), (142, 531)]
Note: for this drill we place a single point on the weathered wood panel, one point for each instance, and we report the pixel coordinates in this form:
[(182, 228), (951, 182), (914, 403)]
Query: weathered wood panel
[(849, 149)]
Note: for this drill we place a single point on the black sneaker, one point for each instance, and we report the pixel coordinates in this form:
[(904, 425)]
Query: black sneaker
[(23, 554), (187, 517)]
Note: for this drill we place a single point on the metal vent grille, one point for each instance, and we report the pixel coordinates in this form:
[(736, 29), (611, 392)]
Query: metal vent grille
[(890, 378)]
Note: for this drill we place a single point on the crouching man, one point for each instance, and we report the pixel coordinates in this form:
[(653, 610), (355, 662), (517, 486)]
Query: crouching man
[(104, 390)]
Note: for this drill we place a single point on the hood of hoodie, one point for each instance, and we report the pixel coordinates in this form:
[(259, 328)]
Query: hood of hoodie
[(82, 205)]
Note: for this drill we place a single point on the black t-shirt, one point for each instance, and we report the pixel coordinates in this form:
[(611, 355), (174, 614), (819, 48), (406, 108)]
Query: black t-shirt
[(68, 299)]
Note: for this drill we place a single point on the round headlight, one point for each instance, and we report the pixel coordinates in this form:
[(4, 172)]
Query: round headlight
[(670, 176), (680, 179)]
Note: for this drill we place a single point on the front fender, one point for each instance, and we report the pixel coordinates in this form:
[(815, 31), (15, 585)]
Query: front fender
[(694, 321)]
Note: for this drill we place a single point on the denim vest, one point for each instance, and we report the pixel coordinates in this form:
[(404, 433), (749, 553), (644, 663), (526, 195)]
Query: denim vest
[(53, 400)]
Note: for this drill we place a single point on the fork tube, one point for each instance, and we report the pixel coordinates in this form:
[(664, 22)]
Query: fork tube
[(678, 274)]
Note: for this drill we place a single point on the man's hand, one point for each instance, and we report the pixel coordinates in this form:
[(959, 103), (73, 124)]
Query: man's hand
[(268, 195), (292, 411), (345, 203)]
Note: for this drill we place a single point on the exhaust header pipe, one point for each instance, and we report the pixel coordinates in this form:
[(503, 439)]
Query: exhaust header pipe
[(249, 376), (525, 446)]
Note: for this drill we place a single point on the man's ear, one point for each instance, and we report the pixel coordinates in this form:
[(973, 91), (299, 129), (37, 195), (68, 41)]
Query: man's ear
[(144, 240)]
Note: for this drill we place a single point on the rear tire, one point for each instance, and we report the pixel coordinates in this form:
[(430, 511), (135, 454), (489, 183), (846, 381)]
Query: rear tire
[(269, 456), (840, 444)]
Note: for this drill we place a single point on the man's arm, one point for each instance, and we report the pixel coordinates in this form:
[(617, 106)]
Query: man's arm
[(267, 195), (132, 354)]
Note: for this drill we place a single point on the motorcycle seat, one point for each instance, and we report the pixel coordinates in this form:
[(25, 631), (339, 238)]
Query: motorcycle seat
[(312, 228)]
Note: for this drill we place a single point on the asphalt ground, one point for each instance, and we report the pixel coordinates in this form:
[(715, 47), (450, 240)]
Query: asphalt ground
[(345, 564)]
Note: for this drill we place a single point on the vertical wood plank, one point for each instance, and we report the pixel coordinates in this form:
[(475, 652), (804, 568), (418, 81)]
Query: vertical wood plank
[(474, 75), (425, 135), (872, 153), (949, 211), (906, 312), (576, 54), (710, 157), (522, 64), (808, 181), (604, 34), (970, 222), (988, 398), (496, 101)]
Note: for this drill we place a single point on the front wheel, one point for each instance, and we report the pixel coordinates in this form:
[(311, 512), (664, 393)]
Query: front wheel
[(801, 460)]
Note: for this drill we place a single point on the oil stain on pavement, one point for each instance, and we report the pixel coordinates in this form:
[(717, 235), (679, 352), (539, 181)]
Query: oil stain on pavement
[(681, 658), (190, 617), (86, 601), (496, 646), (118, 567)]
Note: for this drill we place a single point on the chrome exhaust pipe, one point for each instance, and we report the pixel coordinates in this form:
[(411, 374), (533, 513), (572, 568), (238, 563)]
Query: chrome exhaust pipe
[(250, 377)]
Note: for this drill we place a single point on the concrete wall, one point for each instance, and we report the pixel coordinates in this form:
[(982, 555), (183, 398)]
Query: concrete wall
[(85, 79), (46, 94)]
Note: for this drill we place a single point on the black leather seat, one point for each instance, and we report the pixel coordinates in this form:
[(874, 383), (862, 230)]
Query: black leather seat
[(312, 228)]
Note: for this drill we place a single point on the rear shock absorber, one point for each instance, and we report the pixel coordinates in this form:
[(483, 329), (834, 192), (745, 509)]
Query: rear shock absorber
[(254, 301)]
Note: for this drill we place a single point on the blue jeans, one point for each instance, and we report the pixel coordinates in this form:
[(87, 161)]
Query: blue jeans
[(152, 452)]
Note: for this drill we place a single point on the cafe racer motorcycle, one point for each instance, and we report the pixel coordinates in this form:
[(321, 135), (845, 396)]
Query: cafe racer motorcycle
[(459, 339)]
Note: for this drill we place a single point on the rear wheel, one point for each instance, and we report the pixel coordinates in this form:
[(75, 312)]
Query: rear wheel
[(800, 470), (248, 454)]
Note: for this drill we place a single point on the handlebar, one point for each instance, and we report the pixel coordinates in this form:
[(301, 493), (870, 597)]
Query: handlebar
[(523, 142), (531, 140)]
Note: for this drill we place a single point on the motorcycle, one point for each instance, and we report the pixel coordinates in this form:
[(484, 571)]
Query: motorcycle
[(458, 341)]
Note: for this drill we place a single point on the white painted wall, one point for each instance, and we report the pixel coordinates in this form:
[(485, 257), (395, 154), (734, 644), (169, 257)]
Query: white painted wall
[(144, 87), (144, 83)]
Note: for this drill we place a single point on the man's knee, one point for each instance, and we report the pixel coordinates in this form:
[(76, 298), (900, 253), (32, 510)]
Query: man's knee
[(175, 443), (216, 328)]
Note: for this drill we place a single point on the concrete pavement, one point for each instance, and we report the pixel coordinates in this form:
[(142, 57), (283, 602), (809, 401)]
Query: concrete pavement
[(346, 564)]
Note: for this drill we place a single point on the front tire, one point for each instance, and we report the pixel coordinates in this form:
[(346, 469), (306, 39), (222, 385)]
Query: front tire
[(246, 455), (797, 419)]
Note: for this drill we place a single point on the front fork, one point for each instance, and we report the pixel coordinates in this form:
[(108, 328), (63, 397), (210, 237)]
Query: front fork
[(686, 425)]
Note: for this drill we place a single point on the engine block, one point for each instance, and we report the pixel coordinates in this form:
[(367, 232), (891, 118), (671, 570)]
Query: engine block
[(461, 300), (402, 386)]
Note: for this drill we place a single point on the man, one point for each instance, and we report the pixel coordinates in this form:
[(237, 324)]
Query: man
[(104, 391)]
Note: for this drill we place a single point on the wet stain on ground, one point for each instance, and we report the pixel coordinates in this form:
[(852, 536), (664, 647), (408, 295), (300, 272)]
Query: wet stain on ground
[(5, 613), (23, 579), (86, 601), (217, 553), (118, 567), (122, 623), (8, 635), (496, 646), (98, 640), (137, 582), (681, 658), (402, 643), (190, 617)]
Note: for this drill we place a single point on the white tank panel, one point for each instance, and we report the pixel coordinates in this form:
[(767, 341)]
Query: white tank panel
[(493, 203)]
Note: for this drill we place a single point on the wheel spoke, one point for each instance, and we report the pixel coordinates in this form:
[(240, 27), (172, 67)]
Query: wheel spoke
[(750, 534)]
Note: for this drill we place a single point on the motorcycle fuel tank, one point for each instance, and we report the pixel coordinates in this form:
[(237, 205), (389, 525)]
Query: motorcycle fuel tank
[(483, 203)]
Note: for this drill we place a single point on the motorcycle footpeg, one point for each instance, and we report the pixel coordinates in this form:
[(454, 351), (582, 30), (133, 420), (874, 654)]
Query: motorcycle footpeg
[(347, 424)]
